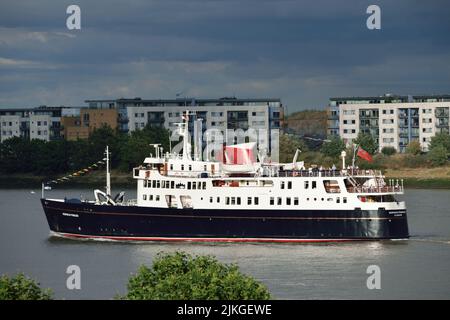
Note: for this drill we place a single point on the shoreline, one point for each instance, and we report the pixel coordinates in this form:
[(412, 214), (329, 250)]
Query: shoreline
[(415, 178)]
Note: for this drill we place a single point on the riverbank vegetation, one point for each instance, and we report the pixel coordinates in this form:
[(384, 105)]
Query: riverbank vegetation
[(49, 159)]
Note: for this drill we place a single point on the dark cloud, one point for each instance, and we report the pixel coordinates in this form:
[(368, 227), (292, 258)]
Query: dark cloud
[(302, 52)]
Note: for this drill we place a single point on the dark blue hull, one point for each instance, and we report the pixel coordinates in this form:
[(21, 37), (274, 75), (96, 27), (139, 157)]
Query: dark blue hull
[(83, 220)]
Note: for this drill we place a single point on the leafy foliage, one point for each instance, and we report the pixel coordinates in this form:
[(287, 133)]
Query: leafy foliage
[(21, 287), (288, 145), (438, 155), (388, 151), (333, 148), (440, 139), (18, 155), (414, 147), (181, 276), (367, 142)]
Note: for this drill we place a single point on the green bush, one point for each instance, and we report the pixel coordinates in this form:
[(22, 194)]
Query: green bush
[(181, 276), (440, 139), (438, 155), (414, 147), (388, 151), (334, 147), (366, 142), (21, 287)]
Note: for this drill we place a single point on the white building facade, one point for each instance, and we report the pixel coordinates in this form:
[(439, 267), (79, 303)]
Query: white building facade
[(393, 121), (262, 115)]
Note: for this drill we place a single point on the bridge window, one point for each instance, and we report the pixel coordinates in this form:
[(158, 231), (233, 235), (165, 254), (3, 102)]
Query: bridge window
[(331, 186)]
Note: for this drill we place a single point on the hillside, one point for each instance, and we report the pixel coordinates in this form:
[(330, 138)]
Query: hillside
[(308, 122)]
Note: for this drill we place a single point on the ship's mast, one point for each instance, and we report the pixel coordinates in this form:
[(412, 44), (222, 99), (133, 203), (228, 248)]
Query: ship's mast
[(186, 144), (108, 174)]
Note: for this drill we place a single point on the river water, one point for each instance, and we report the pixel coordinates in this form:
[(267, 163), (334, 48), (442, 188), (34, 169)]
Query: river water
[(418, 268)]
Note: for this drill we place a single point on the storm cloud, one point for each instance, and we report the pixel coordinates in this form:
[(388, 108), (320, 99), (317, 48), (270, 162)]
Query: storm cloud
[(302, 52)]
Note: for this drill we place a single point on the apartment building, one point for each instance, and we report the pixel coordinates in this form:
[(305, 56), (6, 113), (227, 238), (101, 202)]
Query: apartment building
[(31, 123), (81, 124), (222, 114), (393, 121)]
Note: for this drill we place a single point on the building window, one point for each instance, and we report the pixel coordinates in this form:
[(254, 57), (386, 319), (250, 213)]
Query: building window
[(314, 185), (144, 197), (249, 200), (279, 201), (306, 184), (256, 200), (288, 201), (272, 201), (289, 184), (282, 184), (296, 201)]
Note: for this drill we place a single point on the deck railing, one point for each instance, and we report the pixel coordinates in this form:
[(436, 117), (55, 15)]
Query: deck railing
[(385, 189), (329, 173)]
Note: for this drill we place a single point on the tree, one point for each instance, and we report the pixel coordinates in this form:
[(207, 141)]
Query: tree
[(366, 142), (414, 148), (136, 147), (181, 276), (438, 155), (388, 151), (288, 145), (440, 139), (333, 148), (21, 287)]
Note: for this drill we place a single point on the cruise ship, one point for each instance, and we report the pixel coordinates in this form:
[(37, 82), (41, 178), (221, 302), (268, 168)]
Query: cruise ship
[(184, 199)]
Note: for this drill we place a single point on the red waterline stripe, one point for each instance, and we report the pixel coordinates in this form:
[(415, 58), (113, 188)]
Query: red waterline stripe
[(187, 239)]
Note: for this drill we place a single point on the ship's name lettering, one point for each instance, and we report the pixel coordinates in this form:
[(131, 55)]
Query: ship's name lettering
[(70, 214)]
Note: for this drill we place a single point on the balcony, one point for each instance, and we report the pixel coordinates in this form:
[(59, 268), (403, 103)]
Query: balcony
[(441, 113)]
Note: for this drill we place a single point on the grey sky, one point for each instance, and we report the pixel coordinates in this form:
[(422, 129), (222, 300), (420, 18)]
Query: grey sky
[(302, 52)]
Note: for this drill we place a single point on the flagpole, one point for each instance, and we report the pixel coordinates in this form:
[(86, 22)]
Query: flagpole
[(355, 147)]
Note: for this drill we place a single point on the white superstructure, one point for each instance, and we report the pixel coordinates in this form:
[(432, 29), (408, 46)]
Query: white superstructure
[(175, 181)]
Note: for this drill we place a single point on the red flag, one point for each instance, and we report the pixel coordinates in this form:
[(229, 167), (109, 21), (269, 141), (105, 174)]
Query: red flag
[(364, 154)]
